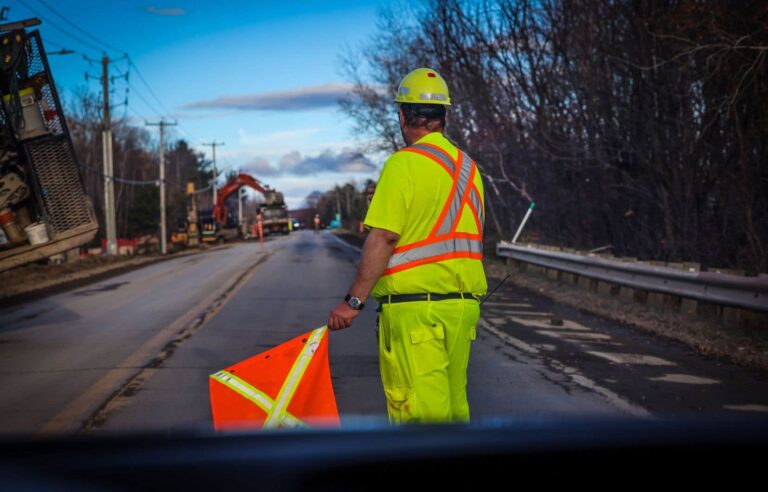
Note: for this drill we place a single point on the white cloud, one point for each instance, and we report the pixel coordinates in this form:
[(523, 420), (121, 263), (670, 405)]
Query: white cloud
[(303, 98), (166, 11)]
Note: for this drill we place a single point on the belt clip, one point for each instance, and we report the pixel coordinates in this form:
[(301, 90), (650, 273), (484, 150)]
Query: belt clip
[(389, 298), (429, 296), (462, 295)]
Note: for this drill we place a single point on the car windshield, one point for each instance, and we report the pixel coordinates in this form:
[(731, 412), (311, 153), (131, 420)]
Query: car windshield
[(340, 214)]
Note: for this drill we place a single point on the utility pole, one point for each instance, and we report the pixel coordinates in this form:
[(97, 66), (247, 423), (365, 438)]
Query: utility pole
[(109, 183), (163, 227), (213, 146), (240, 195)]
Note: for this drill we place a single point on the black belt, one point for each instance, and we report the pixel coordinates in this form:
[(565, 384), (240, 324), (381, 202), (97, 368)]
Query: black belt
[(425, 297)]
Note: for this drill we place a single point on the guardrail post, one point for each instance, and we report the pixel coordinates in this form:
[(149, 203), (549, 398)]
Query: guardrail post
[(624, 291), (656, 299), (605, 288), (689, 307)]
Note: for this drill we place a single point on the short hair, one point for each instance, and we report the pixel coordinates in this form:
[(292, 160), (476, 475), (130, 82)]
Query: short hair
[(422, 115)]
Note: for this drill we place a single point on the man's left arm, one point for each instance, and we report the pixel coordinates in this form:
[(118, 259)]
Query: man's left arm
[(377, 250)]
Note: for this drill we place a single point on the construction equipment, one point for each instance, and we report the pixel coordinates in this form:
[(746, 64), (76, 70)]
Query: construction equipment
[(187, 232), (275, 213), (217, 227), (44, 210)]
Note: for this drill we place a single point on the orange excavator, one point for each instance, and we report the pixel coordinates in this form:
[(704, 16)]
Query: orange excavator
[(217, 227)]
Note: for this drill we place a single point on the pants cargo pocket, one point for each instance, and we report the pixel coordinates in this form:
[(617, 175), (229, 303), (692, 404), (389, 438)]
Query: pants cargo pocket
[(401, 406), (428, 346)]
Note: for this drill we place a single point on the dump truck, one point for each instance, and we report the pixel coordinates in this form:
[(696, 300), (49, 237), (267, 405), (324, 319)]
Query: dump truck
[(44, 210), (274, 213)]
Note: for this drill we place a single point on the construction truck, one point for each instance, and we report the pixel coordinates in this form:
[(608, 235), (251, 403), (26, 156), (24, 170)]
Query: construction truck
[(217, 226), (274, 213), (44, 210)]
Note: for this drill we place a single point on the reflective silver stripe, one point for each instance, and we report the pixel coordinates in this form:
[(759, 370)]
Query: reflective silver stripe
[(475, 198), (254, 395), (279, 410), (430, 96), (441, 156), (455, 208), (452, 245)]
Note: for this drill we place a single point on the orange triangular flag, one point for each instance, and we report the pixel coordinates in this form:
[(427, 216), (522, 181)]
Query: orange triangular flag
[(286, 386)]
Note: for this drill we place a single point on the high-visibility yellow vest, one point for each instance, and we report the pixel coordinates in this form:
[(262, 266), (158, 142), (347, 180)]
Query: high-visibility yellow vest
[(431, 194)]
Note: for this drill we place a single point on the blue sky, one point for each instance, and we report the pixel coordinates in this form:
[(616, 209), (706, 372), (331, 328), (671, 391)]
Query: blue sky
[(261, 76)]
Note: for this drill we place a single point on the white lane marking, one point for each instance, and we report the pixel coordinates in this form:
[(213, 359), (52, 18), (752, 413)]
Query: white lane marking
[(751, 407), (574, 334), (578, 378), (496, 321), (537, 323), (545, 346), (685, 379), (338, 239), (517, 343), (639, 359)]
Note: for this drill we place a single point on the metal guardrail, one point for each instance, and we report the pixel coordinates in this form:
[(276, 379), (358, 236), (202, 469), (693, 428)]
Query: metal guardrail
[(716, 288)]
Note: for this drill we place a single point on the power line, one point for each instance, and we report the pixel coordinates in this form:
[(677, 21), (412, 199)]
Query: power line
[(63, 47), (104, 44), (83, 31), (159, 101), (192, 137), (138, 72), (56, 26), (146, 103), (117, 179), (135, 112)]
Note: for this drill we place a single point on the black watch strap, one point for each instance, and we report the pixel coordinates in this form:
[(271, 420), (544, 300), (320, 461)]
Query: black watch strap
[(358, 308)]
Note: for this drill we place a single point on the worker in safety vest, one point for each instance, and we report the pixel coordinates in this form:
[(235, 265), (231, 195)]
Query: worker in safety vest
[(422, 261)]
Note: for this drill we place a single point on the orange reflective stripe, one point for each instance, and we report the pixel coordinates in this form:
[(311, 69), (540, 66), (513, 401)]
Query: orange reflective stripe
[(434, 259), (443, 242), (430, 240), (477, 214), (438, 248)]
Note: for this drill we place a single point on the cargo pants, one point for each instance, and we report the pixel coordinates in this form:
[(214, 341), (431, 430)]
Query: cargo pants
[(424, 351)]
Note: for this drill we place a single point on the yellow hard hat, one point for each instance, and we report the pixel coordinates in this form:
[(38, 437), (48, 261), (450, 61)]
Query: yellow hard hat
[(423, 86)]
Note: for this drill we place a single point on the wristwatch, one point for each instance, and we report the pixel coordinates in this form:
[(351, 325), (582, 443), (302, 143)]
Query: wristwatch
[(354, 302)]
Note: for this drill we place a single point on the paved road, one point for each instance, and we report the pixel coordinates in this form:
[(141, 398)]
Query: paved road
[(134, 352)]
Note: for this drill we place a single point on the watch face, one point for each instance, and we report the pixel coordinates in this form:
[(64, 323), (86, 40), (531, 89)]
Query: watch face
[(354, 302)]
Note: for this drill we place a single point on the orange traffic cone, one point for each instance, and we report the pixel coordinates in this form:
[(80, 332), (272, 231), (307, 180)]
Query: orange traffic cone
[(286, 386)]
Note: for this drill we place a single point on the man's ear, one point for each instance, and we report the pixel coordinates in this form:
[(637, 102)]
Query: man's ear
[(401, 116)]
